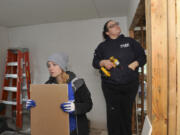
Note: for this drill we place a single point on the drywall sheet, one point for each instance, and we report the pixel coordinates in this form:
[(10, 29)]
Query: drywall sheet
[(47, 118)]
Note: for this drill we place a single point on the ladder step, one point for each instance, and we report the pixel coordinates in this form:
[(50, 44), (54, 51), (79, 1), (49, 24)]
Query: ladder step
[(13, 75), (15, 50), (9, 102), (25, 99), (12, 89), (12, 64), (24, 75), (24, 88)]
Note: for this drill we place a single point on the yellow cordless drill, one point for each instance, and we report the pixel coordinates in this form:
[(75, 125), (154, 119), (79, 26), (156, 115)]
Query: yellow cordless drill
[(114, 61)]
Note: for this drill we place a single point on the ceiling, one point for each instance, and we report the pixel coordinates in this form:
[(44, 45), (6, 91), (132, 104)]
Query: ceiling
[(29, 12)]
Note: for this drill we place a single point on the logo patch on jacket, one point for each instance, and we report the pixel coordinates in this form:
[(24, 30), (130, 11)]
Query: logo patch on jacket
[(124, 45)]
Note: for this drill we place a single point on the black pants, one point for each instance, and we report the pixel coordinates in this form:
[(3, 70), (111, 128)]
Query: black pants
[(119, 102), (73, 132)]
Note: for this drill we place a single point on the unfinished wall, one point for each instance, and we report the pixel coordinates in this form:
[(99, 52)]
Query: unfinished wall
[(162, 30), (3, 47), (78, 39), (133, 4)]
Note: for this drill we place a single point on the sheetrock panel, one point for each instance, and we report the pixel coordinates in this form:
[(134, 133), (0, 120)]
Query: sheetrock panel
[(47, 118)]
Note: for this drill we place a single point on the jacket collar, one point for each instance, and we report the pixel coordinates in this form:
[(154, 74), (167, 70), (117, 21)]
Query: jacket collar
[(71, 77)]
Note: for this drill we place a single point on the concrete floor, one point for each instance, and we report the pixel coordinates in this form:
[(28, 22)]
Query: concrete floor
[(98, 132), (26, 127), (27, 132)]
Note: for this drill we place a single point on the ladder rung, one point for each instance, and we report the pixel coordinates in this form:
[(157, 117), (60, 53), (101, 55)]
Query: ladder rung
[(9, 102), (24, 75), (12, 63), (11, 75), (14, 75), (15, 50), (12, 89), (25, 99), (24, 88)]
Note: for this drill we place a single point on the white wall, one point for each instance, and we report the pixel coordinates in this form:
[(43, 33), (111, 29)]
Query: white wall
[(133, 4), (3, 46), (78, 39)]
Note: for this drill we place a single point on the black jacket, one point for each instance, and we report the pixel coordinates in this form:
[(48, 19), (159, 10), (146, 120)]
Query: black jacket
[(126, 50), (83, 103)]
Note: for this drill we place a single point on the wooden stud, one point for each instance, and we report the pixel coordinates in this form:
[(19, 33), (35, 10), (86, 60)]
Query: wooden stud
[(178, 63), (172, 81), (133, 126), (149, 58), (157, 39), (142, 83)]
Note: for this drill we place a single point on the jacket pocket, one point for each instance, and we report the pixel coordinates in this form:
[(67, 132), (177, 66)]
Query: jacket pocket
[(117, 75), (130, 74)]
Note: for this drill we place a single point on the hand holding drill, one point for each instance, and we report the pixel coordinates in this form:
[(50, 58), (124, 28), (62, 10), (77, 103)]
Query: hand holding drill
[(108, 64)]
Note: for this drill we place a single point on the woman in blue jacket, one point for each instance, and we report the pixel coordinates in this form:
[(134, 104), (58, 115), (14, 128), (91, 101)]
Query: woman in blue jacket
[(79, 96)]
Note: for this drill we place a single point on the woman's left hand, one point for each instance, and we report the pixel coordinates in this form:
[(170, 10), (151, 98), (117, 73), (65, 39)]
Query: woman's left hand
[(68, 107), (133, 65)]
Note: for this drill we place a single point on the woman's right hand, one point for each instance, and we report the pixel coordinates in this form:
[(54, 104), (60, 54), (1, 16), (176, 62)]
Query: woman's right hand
[(30, 103), (107, 64)]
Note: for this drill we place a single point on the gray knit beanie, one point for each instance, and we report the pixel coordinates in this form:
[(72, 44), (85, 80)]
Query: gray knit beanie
[(61, 59)]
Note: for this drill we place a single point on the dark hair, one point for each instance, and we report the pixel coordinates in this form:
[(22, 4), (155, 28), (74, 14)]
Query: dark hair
[(105, 29)]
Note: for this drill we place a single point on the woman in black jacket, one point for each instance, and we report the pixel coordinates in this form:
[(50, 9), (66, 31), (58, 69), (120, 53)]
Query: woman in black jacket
[(79, 102), (121, 84)]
